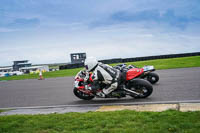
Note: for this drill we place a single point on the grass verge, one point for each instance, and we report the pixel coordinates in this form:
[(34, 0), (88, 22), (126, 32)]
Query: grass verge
[(4, 110), (171, 63), (1, 110), (103, 122), (183, 62)]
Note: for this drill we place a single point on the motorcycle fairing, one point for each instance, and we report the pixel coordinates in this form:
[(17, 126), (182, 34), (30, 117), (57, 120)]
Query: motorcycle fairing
[(134, 72)]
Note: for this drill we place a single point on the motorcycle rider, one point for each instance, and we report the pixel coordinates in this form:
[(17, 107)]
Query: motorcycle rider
[(102, 73)]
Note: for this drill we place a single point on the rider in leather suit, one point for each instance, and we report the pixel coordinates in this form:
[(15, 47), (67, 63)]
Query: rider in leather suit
[(102, 73)]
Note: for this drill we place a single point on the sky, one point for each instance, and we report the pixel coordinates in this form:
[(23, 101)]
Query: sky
[(47, 31)]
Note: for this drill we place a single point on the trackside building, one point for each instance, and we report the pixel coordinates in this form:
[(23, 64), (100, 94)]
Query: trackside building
[(19, 64)]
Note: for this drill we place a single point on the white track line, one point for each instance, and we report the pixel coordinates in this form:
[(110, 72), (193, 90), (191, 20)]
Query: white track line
[(104, 104)]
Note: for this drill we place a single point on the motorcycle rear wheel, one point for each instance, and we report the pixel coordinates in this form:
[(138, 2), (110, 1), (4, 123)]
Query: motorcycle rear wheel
[(141, 86), (82, 95)]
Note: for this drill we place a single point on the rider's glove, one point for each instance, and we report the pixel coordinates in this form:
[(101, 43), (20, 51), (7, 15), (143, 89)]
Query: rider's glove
[(86, 77)]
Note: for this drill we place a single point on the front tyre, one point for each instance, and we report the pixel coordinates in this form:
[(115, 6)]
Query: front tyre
[(152, 78), (143, 87), (82, 95)]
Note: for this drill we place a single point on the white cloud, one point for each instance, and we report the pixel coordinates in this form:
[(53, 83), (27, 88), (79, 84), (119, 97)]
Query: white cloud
[(67, 29), (119, 41), (3, 30)]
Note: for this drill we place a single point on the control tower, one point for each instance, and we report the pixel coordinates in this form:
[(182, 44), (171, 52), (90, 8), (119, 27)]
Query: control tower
[(78, 57)]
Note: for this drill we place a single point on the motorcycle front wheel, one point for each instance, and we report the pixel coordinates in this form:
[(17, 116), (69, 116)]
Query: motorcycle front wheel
[(143, 87), (152, 78), (82, 95)]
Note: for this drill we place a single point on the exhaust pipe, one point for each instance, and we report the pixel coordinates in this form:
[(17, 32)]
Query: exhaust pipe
[(132, 91)]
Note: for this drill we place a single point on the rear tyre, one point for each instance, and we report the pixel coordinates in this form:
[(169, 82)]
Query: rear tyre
[(82, 95), (143, 87), (152, 78)]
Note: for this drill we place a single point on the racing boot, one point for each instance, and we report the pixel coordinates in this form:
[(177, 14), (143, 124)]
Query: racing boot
[(110, 88), (100, 93)]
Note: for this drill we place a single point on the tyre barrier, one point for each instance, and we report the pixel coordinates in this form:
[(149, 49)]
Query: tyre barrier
[(123, 60)]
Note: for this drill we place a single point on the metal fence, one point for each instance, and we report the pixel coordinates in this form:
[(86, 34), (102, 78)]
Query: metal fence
[(123, 60)]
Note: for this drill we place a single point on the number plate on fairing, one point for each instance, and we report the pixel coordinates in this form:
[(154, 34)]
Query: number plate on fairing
[(148, 68)]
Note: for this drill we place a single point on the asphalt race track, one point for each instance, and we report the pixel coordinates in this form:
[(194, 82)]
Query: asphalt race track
[(174, 85)]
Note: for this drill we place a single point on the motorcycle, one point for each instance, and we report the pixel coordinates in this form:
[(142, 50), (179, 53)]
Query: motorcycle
[(129, 85), (148, 74)]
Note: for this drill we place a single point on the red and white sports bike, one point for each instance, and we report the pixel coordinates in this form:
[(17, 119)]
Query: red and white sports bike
[(148, 74), (129, 85)]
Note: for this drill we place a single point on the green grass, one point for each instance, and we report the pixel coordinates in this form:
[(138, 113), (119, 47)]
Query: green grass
[(171, 63), (4, 110), (61, 73), (104, 122), (184, 62)]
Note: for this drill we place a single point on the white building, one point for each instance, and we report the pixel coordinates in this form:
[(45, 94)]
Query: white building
[(6, 69)]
